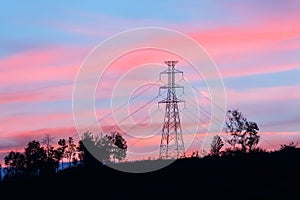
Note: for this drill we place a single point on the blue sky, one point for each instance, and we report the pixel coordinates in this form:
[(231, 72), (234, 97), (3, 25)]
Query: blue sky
[(255, 44)]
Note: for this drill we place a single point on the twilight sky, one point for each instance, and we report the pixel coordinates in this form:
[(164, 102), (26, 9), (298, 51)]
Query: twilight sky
[(255, 45)]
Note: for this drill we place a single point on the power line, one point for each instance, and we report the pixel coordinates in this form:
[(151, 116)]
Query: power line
[(209, 100), (196, 134), (137, 110), (206, 113), (200, 120), (140, 139), (134, 126), (193, 119), (268, 142), (122, 106)]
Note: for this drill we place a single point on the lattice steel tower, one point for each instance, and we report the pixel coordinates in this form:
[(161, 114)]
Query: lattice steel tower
[(171, 145)]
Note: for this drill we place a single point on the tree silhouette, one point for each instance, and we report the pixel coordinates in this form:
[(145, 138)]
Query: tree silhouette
[(119, 146), (62, 150), (35, 157), (112, 146), (86, 145), (216, 145), (47, 140), (244, 133), (74, 161), (105, 146), (15, 162), (195, 154), (103, 149), (70, 150), (80, 151), (53, 156), (288, 147)]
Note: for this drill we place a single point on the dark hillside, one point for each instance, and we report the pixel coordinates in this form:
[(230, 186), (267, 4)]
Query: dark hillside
[(246, 176)]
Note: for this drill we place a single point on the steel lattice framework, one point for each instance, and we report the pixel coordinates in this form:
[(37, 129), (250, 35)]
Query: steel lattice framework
[(171, 145)]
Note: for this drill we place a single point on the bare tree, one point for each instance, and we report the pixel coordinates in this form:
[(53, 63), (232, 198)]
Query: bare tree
[(47, 141), (53, 156), (216, 145)]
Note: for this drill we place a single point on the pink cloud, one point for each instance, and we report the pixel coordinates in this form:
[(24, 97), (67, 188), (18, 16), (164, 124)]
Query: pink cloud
[(258, 69), (273, 140), (246, 38), (226, 45), (29, 76), (28, 121), (40, 66), (43, 94), (261, 95), (45, 57), (19, 139), (229, 45), (38, 74)]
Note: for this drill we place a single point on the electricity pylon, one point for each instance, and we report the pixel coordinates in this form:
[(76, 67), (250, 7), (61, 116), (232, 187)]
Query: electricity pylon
[(171, 145)]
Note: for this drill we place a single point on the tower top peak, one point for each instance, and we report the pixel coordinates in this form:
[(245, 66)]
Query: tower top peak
[(171, 63)]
